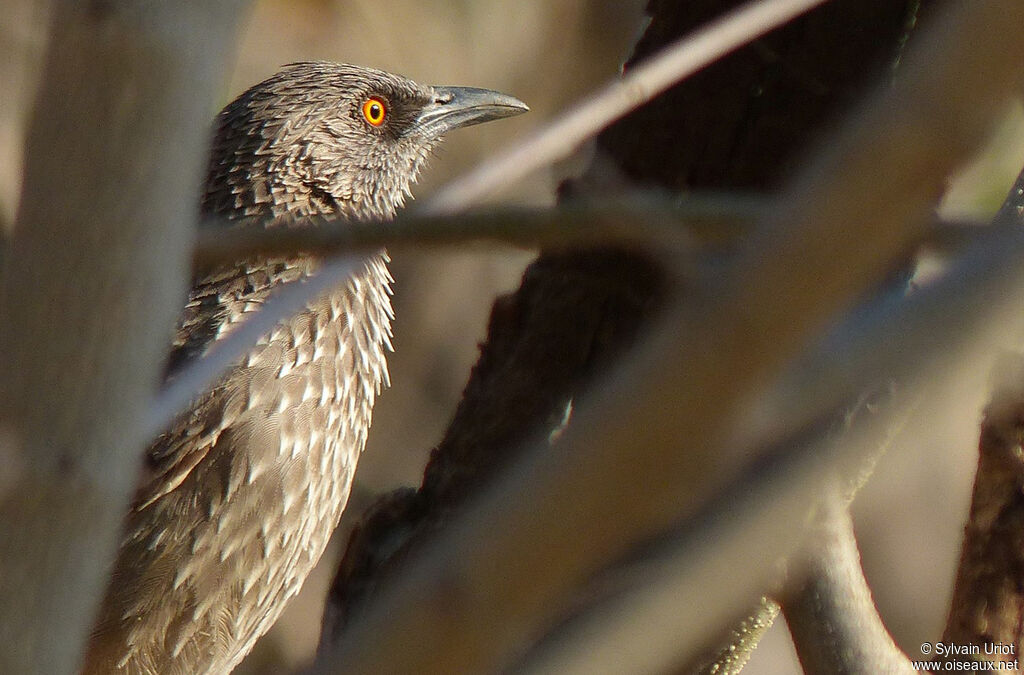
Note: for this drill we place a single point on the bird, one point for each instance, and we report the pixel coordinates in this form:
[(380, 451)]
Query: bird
[(242, 492)]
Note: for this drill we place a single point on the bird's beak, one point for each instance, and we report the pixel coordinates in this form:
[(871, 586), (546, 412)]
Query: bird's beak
[(455, 107)]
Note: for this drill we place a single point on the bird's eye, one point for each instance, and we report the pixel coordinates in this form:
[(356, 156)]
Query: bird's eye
[(374, 111)]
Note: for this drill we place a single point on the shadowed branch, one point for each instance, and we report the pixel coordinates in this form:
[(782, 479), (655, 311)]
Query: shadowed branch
[(987, 595), (644, 222)]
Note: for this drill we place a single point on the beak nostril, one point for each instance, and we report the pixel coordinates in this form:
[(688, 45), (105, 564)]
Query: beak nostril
[(455, 107)]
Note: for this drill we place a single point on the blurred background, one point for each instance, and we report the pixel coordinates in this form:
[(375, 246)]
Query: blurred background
[(548, 53)]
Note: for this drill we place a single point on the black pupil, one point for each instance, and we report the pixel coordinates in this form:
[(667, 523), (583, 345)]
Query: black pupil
[(375, 111)]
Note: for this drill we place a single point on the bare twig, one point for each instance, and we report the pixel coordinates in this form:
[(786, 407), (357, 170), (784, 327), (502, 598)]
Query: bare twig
[(646, 222), (653, 224), (201, 375), (643, 221), (731, 655), (847, 218), (829, 610), (638, 86)]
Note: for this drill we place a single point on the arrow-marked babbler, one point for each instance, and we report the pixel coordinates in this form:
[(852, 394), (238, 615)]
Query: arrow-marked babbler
[(243, 491)]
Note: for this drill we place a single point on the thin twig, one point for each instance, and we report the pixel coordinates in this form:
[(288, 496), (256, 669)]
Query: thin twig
[(637, 221), (643, 221), (202, 374), (829, 610), (652, 223), (730, 656), (562, 136)]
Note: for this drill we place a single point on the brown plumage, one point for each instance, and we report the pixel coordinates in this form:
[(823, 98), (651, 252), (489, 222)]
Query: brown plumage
[(244, 490)]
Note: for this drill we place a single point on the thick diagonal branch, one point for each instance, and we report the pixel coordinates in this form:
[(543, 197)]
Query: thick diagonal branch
[(561, 515)]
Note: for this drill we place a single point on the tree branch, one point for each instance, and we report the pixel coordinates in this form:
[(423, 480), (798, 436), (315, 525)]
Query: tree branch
[(714, 564), (987, 595), (960, 318), (92, 279), (845, 221), (831, 615), (641, 84), (648, 223)]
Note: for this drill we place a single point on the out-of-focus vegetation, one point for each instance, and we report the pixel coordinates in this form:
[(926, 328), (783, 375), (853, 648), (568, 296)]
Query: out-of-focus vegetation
[(548, 54)]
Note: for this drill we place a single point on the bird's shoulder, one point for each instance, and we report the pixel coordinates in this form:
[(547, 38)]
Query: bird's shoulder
[(221, 299), (217, 303)]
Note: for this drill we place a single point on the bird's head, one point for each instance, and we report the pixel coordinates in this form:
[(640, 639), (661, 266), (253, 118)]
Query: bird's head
[(334, 139)]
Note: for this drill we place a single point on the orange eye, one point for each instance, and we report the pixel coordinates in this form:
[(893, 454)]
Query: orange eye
[(374, 111)]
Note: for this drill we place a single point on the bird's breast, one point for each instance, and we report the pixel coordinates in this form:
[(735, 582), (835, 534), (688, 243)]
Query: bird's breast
[(251, 482)]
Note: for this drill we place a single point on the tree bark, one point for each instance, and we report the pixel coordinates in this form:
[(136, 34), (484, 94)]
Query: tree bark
[(988, 595)]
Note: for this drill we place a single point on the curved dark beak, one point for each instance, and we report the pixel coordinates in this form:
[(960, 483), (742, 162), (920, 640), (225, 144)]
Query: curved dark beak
[(455, 107)]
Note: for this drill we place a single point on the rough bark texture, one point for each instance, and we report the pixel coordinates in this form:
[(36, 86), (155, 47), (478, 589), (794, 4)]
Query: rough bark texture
[(988, 598), (741, 123), (988, 595), (570, 318)]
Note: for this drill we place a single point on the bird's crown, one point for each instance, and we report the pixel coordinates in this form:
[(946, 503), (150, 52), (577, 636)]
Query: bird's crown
[(321, 138)]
